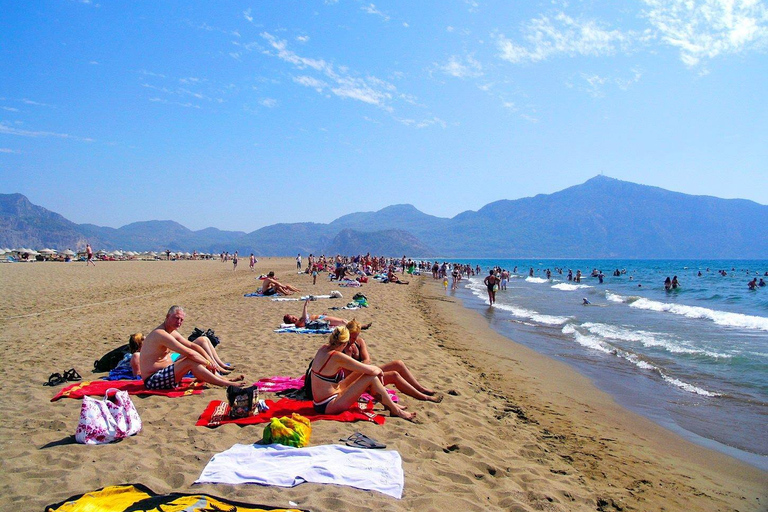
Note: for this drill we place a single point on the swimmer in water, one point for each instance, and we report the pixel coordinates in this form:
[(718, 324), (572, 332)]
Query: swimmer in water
[(585, 302)]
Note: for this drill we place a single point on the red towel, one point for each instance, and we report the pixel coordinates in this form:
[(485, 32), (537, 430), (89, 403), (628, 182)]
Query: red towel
[(133, 387), (217, 413)]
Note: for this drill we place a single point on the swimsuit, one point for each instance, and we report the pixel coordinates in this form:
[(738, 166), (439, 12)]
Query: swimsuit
[(162, 379), (334, 379), (270, 291)]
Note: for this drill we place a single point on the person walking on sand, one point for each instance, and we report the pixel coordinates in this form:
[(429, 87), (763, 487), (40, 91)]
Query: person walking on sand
[(159, 370), (252, 262), (298, 261), (234, 262), (89, 255)]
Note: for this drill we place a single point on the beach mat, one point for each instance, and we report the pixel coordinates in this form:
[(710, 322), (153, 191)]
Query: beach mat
[(133, 387), (135, 497), (303, 330), (217, 413)]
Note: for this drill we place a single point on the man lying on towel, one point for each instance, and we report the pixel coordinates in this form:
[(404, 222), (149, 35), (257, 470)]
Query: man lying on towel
[(305, 318), (160, 372)]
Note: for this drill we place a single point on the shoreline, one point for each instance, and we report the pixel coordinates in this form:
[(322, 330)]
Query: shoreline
[(516, 430), (623, 393)]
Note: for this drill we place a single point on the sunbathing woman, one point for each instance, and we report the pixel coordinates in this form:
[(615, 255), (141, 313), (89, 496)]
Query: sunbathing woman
[(332, 393), (306, 317), (395, 372)]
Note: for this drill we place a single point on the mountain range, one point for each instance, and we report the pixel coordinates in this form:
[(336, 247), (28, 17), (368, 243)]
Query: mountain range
[(601, 218)]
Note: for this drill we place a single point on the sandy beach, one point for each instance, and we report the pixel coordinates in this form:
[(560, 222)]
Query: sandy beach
[(516, 430)]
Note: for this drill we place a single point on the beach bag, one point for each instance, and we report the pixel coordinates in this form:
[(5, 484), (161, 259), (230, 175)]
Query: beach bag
[(242, 401), (104, 421), (318, 325), (307, 388), (196, 333), (111, 359), (293, 431)]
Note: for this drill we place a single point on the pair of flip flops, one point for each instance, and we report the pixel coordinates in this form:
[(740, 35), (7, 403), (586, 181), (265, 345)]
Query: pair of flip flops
[(70, 375), (359, 440)]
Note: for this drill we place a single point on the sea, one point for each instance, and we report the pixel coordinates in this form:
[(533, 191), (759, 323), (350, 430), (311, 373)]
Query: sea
[(693, 359)]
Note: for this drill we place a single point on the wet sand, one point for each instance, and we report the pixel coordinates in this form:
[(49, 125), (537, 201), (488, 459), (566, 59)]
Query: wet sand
[(516, 430)]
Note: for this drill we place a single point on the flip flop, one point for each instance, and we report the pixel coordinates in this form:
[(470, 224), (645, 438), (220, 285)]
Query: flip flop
[(55, 379), (359, 440), (72, 375)]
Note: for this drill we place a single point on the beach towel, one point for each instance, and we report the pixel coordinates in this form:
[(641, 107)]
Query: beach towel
[(353, 284), (133, 387), (134, 497), (285, 466), (305, 297), (217, 413), (302, 330), (280, 383), (259, 294)]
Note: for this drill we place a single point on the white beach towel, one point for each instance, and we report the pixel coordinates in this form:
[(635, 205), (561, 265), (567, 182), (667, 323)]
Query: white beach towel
[(285, 466)]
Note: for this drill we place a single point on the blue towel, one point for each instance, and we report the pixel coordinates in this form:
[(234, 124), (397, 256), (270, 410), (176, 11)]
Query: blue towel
[(304, 330)]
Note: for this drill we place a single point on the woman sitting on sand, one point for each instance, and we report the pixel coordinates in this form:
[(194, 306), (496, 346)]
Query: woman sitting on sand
[(395, 372), (332, 392)]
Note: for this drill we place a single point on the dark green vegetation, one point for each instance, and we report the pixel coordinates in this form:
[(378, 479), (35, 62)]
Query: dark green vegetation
[(602, 218)]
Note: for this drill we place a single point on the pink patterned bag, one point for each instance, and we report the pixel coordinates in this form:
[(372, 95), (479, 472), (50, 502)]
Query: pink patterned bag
[(104, 421)]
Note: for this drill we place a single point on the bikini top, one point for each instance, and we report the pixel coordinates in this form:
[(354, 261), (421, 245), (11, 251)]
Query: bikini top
[(335, 379)]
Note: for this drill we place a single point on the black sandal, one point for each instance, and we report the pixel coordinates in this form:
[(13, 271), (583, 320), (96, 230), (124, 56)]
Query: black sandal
[(72, 375), (55, 379)]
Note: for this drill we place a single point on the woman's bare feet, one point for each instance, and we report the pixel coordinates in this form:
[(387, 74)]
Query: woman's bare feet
[(402, 413), (435, 398)]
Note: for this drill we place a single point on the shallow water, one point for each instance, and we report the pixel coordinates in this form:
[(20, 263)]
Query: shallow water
[(694, 359)]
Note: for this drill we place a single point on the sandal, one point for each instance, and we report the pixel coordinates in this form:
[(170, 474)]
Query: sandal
[(359, 440), (72, 375), (55, 379)]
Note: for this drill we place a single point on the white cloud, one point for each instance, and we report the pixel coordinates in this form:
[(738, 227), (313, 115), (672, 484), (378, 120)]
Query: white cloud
[(371, 9), (595, 85), (247, 15), (94, 62), (424, 123), (406, 25), (8, 150), (462, 68), (308, 81), (10, 109), (269, 102), (7, 130), (302, 39), (449, 29), (369, 90), (550, 36), (705, 29)]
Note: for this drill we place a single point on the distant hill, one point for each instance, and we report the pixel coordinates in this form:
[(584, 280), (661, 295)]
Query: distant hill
[(390, 242), (601, 218)]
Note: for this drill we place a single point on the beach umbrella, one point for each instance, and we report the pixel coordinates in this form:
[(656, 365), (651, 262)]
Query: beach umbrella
[(47, 251), (68, 252)]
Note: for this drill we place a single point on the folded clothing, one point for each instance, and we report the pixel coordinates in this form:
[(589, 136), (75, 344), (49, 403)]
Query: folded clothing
[(217, 413), (133, 387), (285, 466)]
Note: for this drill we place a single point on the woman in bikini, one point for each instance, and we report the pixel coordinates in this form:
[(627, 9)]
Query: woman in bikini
[(301, 321), (332, 392), (395, 372)]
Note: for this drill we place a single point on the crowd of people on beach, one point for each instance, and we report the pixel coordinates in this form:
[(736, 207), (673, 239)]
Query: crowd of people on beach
[(342, 369)]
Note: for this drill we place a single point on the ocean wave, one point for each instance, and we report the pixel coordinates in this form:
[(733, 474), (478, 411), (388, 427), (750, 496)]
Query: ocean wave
[(723, 318), (649, 339), (598, 344), (479, 290), (532, 315), (570, 287), (537, 280)]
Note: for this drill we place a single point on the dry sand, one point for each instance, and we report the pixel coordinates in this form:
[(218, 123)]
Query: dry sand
[(516, 431)]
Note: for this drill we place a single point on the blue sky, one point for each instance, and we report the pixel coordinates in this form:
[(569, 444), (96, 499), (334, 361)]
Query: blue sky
[(238, 115)]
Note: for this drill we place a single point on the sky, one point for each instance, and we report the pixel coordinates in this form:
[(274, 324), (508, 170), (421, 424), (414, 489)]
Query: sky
[(238, 115)]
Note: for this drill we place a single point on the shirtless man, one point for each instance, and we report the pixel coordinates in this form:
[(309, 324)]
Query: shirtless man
[(272, 286), (306, 317), (160, 372), (89, 255)]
